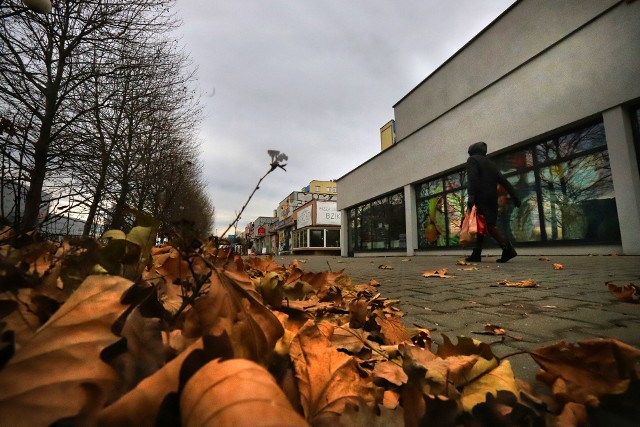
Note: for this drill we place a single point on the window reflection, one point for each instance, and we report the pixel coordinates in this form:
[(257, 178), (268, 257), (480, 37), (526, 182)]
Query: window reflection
[(379, 224), (564, 184)]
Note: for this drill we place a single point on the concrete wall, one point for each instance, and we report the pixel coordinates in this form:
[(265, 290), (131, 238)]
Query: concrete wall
[(563, 80), (530, 27)]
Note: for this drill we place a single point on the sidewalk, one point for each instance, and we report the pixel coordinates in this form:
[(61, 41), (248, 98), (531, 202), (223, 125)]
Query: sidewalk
[(569, 305)]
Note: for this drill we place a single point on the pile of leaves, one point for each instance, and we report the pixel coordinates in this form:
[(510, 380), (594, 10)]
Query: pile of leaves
[(125, 334)]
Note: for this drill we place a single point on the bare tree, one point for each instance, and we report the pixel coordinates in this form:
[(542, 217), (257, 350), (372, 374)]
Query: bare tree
[(46, 59)]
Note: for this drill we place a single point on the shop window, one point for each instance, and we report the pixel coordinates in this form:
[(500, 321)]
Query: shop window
[(378, 225), (564, 184), (333, 238), (316, 238)]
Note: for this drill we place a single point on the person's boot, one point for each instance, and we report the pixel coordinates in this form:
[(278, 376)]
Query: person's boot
[(507, 252), (476, 256)]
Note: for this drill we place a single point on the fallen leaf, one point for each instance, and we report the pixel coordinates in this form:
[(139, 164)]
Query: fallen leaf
[(391, 328), (499, 379), (437, 273), (234, 393), (492, 330), (573, 414), (391, 372), (385, 267), (140, 406), (544, 258), (627, 293), (328, 380), (591, 368), (528, 283), (558, 267), (251, 326), (59, 370)]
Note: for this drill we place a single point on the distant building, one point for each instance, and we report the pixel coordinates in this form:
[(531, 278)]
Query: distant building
[(259, 236), (317, 228), (552, 87)]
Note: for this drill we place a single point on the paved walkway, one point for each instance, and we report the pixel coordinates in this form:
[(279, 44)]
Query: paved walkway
[(571, 304)]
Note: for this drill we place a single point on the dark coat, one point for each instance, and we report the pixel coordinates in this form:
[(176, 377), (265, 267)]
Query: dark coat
[(483, 177)]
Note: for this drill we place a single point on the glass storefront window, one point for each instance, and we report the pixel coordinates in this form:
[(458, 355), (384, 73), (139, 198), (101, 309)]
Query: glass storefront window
[(564, 184), (333, 238), (378, 225), (316, 239)]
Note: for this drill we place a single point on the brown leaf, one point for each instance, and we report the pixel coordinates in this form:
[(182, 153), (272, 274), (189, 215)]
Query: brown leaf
[(385, 267), (363, 415), (358, 312), (327, 379), (573, 414), (140, 406), (251, 326), (597, 367), (349, 339), (558, 267), (391, 372), (500, 378), (437, 273), (235, 392), (528, 283), (59, 370), (627, 293), (544, 258), (494, 329), (145, 350), (391, 328)]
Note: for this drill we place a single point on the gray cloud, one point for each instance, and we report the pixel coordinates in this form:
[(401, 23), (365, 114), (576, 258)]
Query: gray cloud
[(314, 79)]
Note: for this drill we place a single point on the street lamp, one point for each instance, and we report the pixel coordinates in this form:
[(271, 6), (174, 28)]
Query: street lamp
[(40, 6)]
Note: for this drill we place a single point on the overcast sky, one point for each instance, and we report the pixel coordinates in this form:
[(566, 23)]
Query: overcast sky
[(315, 79)]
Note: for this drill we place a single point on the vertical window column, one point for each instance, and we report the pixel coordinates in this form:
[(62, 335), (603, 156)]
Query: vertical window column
[(624, 171)]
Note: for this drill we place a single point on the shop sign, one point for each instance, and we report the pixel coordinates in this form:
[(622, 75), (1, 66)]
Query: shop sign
[(327, 213), (262, 231), (304, 217)]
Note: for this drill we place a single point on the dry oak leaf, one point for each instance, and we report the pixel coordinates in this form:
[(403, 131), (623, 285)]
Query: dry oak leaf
[(528, 283), (363, 415), (597, 366), (490, 329), (139, 407), (573, 414), (500, 378), (437, 273), (391, 372), (58, 373), (328, 380), (627, 293), (391, 328), (468, 347), (251, 326), (558, 267), (235, 392)]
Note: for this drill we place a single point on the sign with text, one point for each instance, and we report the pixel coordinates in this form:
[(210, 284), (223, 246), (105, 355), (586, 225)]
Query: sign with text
[(262, 231), (327, 213), (304, 217)]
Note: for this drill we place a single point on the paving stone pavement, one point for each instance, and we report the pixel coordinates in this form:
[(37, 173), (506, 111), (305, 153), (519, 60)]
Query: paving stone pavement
[(569, 305)]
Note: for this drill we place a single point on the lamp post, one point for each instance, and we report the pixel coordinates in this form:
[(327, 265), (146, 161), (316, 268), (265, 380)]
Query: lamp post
[(40, 6)]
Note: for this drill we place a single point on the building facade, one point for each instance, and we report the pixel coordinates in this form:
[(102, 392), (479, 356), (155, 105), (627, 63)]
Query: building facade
[(553, 88), (317, 228)]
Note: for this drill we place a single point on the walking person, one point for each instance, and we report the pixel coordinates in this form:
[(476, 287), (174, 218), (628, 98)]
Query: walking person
[(483, 177)]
